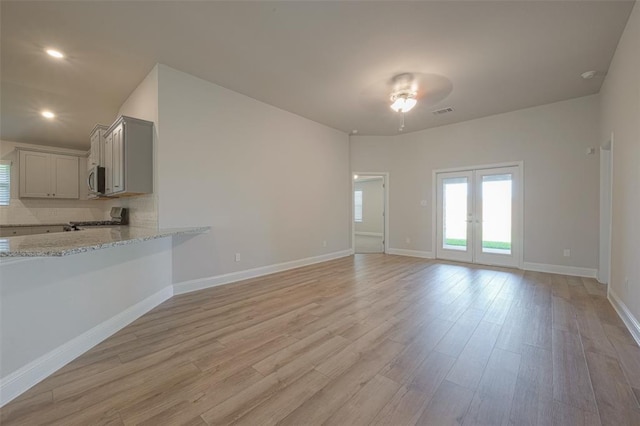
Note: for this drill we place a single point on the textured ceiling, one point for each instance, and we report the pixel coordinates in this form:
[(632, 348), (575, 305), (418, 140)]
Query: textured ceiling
[(331, 62)]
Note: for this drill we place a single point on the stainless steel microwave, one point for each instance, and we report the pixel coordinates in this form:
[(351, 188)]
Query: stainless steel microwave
[(95, 181)]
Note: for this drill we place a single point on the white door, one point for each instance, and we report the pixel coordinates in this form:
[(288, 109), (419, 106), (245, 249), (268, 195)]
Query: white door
[(454, 199), (64, 176), (35, 174), (478, 216), (108, 164), (118, 159)]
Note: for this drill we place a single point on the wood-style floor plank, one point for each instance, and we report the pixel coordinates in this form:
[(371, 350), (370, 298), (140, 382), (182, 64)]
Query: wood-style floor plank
[(367, 339)]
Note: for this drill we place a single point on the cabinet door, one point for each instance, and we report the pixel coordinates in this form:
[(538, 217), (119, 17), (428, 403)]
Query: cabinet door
[(64, 176), (94, 155), (35, 230), (118, 158), (35, 174), (108, 163), (14, 232)]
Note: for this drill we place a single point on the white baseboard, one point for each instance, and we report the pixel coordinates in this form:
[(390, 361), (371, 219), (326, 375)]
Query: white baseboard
[(412, 253), (560, 269), (207, 282), (370, 234), (39, 369), (625, 314)]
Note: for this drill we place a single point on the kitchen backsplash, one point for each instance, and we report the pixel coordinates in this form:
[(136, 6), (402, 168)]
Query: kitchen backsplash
[(143, 209), (21, 211)]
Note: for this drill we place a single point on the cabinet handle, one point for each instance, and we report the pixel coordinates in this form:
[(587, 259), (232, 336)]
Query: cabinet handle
[(48, 195)]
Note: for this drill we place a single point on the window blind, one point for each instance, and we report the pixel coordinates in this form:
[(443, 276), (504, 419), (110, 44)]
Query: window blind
[(5, 182)]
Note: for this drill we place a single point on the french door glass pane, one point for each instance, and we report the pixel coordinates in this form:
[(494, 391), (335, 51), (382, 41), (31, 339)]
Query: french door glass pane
[(455, 196), (496, 213)]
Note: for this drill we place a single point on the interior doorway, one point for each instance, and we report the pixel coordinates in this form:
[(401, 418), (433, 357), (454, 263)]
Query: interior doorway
[(369, 198), (478, 215)]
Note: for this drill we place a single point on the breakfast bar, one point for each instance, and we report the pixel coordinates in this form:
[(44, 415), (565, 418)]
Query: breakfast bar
[(63, 293)]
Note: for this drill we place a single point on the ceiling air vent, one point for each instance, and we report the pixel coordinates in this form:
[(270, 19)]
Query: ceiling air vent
[(442, 111)]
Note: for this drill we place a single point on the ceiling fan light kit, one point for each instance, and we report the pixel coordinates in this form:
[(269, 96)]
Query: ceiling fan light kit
[(403, 101)]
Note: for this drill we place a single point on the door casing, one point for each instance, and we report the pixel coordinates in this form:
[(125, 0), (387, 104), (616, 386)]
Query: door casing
[(385, 175)]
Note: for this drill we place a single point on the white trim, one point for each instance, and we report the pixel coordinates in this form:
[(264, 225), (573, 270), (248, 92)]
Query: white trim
[(385, 233), (560, 269), (207, 282), (479, 167), (39, 369), (369, 234), (411, 253), (625, 315)]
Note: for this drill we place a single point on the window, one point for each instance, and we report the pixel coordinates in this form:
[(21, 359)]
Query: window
[(357, 198), (5, 182)]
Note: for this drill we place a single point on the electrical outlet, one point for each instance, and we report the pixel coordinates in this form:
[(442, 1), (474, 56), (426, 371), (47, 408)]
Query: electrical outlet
[(408, 240), (423, 203), (324, 243), (237, 257), (567, 252)]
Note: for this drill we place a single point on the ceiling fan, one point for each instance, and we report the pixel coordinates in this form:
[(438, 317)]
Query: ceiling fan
[(404, 92)]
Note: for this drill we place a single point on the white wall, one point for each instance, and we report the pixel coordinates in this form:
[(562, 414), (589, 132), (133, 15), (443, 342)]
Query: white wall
[(372, 206), (621, 115), (142, 103), (37, 211), (272, 185), (561, 180)]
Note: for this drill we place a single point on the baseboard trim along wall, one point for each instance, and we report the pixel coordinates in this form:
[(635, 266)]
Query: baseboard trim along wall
[(214, 281), (39, 369), (369, 234), (560, 269), (527, 266), (411, 253), (625, 314)]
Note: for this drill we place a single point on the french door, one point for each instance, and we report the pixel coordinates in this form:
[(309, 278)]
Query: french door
[(477, 216)]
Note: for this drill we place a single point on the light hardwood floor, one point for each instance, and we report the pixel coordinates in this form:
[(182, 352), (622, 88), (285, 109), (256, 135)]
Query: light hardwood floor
[(367, 339)]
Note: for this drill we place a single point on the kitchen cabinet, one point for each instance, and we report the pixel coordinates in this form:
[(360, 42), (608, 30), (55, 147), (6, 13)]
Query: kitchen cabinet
[(16, 231), (8, 231), (128, 157), (48, 175), (96, 154)]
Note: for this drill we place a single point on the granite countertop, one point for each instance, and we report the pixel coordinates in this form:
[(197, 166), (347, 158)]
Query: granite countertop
[(66, 243)]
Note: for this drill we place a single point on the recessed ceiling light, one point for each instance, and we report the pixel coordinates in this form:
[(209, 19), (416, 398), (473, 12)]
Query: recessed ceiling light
[(48, 114), (55, 53), (354, 131)]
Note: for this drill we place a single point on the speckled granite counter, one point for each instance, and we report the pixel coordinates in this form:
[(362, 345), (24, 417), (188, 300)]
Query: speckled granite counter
[(66, 243)]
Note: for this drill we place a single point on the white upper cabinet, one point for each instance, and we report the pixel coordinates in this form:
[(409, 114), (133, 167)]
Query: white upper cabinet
[(128, 157), (64, 176), (46, 175), (96, 155)]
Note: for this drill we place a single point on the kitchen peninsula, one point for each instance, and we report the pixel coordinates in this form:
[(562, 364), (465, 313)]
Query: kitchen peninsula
[(63, 293)]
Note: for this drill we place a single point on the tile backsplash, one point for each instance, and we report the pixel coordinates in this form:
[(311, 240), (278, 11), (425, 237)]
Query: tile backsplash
[(33, 212), (143, 209)]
